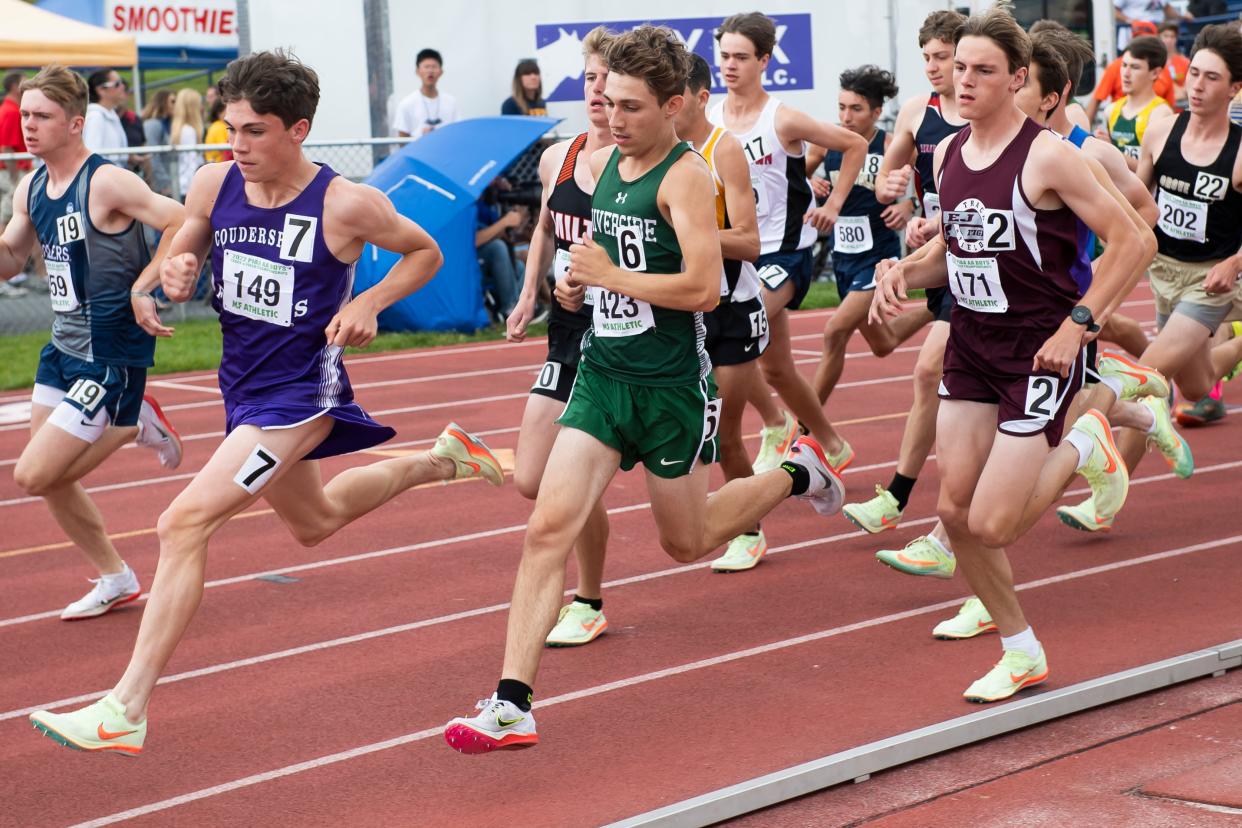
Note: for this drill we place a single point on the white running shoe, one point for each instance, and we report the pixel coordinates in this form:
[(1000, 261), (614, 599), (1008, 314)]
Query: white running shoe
[(827, 492), (499, 725), (744, 552), (155, 432), (109, 592), (577, 624)]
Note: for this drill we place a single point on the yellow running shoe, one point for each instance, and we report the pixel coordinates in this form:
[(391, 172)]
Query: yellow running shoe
[(1014, 671), (971, 620), (577, 624), (925, 555), (101, 726), (875, 515), (1084, 518), (470, 455), (1236, 326), (842, 459), (774, 443), (1136, 380), (1175, 450), (1105, 469), (744, 552)]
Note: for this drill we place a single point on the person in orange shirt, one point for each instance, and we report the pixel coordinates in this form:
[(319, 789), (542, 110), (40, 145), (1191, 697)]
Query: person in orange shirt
[(1177, 65), (1109, 87)]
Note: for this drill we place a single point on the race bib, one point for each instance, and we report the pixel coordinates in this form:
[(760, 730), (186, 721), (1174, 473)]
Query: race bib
[(1182, 218), (60, 287), (69, 228), (1041, 397), (870, 169), (976, 284), (1131, 151), (560, 265), (773, 275), (931, 205), (616, 314), (88, 394), (257, 288), (761, 195), (851, 234), (1211, 187), (711, 419)]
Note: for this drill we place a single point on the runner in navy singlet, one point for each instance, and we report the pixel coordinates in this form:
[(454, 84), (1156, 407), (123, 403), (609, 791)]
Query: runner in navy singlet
[(1011, 195), (87, 216), (564, 169), (284, 235)]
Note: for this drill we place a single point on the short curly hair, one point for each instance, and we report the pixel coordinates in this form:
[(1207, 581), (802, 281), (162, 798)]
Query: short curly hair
[(871, 82), (654, 54), (274, 83)]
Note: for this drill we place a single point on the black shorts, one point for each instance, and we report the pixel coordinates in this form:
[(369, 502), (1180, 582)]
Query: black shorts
[(556, 377), (940, 302), (997, 370), (1092, 375), (737, 332), (777, 268)]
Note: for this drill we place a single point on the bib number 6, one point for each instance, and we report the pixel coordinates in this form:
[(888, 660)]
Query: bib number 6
[(631, 254)]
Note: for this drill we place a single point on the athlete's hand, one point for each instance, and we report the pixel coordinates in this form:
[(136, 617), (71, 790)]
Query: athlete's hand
[(820, 186), (178, 275), (354, 326), (570, 294), (897, 214), (920, 231), (147, 316), (896, 184), (1061, 349), (588, 262), (1222, 278), (519, 318), (822, 218), (890, 292)]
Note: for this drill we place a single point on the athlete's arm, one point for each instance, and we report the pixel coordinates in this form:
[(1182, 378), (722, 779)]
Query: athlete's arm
[(1153, 144), (19, 235), (792, 125), (1224, 275), (189, 246), (900, 153), (686, 197), (1140, 224), (814, 157), (366, 215), (542, 246), (1127, 183), (925, 267), (741, 240)]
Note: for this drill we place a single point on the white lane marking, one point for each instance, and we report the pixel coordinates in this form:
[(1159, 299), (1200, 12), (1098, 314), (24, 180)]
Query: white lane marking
[(632, 681)]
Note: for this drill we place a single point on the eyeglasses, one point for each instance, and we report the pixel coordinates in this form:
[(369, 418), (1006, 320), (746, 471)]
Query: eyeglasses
[(112, 84)]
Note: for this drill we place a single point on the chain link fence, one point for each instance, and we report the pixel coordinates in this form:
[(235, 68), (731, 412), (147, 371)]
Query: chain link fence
[(24, 305)]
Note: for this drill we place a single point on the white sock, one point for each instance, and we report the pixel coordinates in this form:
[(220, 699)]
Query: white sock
[(1023, 642), (1112, 384), (116, 576), (1083, 444), (1151, 428), (943, 547)]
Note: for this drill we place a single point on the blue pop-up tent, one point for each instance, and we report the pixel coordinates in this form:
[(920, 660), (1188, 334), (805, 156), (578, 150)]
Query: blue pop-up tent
[(436, 181)]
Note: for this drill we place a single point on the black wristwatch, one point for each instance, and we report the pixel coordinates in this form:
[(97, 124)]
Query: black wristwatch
[(1081, 315)]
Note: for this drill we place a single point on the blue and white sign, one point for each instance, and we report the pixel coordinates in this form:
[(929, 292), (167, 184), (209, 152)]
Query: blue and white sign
[(559, 52)]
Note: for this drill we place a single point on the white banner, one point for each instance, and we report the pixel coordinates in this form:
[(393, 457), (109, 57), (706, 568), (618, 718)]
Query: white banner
[(203, 24)]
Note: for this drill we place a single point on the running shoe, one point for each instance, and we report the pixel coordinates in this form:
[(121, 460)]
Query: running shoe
[(744, 552), (826, 492), (971, 620), (1105, 469), (499, 725), (1083, 517), (1014, 671), (1175, 450), (1237, 369), (469, 454), (101, 726), (1207, 410), (842, 459), (774, 443), (577, 624), (109, 592), (925, 555), (875, 515), (157, 433), (1136, 380)]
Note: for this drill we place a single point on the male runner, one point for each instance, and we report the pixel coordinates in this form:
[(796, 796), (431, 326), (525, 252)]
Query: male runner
[(923, 122), (774, 138), (87, 215), (1012, 194), (564, 169), (865, 232), (283, 234), (1131, 115), (643, 391)]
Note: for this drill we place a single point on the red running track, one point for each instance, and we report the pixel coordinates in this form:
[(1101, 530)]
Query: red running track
[(321, 701)]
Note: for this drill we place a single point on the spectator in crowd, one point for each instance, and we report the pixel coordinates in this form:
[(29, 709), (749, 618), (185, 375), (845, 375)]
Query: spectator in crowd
[(187, 129), (1109, 86), (527, 97), (135, 135), (11, 140), (502, 274), (422, 111), (217, 133), (103, 128), (1155, 12), (1177, 65), (210, 97), (156, 128)]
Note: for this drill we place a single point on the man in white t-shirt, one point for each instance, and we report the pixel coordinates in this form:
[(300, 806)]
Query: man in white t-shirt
[(103, 129), (428, 108)]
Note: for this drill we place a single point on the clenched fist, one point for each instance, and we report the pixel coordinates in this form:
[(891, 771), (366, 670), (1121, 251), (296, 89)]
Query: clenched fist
[(178, 275), (895, 184)]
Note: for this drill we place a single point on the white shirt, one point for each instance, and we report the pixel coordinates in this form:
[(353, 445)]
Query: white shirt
[(103, 130), (188, 161), (415, 110)]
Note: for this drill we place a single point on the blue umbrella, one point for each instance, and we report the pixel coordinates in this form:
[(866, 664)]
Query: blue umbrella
[(436, 181)]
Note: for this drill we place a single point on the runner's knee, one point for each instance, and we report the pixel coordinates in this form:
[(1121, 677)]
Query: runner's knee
[(33, 480), (927, 372), (527, 482), (682, 550), (993, 530), (182, 528)]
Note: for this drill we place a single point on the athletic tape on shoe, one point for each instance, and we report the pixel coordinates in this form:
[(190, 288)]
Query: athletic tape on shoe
[(258, 468)]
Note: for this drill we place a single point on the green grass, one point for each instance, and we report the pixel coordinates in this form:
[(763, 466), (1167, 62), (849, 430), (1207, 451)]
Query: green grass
[(196, 345)]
